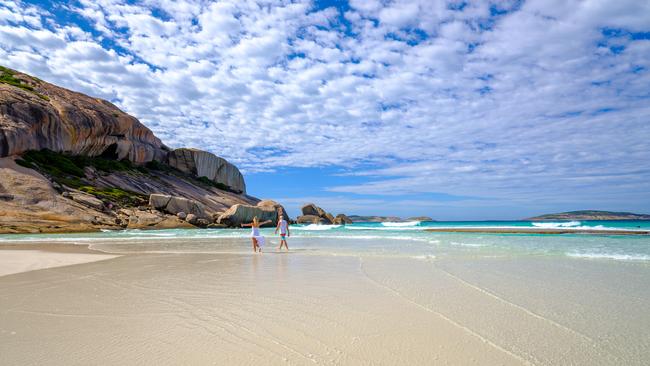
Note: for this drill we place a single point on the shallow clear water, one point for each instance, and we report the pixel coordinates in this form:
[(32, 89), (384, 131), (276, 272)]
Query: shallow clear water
[(389, 239)]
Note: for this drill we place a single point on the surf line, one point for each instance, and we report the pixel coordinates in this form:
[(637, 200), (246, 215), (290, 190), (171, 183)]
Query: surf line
[(453, 322)]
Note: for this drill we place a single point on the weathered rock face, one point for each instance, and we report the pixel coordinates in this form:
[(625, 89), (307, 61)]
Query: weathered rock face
[(205, 164), (137, 219), (312, 209), (87, 200), (342, 219), (242, 214), (50, 117), (312, 219), (278, 207), (312, 214), (175, 205)]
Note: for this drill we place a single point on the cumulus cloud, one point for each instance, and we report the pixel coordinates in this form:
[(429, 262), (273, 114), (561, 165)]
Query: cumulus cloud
[(497, 99)]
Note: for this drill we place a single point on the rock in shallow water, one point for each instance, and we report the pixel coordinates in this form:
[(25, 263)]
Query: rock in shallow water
[(243, 214)]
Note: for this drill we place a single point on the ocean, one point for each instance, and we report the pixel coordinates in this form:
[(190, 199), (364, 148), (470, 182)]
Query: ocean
[(397, 239)]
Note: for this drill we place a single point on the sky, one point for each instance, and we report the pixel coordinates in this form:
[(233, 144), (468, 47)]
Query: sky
[(452, 109)]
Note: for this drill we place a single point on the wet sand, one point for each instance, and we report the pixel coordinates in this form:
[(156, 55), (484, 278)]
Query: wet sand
[(269, 309)]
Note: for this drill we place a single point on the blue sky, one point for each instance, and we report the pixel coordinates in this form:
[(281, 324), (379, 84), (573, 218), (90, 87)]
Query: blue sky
[(452, 109)]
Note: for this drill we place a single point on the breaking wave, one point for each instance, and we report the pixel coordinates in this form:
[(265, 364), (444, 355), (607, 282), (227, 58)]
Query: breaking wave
[(315, 227), (555, 225), (612, 256), (401, 224)]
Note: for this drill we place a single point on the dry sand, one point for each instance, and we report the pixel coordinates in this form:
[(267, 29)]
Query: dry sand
[(17, 261), (275, 309)]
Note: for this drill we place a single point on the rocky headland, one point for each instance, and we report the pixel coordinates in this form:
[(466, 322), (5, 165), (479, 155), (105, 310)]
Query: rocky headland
[(70, 162), (593, 215)]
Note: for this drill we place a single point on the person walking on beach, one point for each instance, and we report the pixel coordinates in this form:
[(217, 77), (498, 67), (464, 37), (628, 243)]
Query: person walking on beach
[(258, 240), (283, 226)]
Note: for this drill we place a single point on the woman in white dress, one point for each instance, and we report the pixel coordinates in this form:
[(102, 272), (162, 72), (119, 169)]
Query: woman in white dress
[(258, 240)]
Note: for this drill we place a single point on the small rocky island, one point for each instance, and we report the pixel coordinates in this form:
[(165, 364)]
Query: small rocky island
[(71, 162), (592, 215)]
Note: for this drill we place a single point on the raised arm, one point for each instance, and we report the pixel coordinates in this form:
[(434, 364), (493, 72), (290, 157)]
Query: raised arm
[(249, 224)]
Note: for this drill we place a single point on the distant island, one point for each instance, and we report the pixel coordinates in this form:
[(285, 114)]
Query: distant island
[(357, 218), (590, 215)]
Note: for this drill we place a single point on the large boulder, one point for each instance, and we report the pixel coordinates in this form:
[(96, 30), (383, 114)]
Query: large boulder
[(342, 219), (87, 200), (205, 164), (278, 207), (312, 219), (54, 118), (329, 217), (175, 205), (312, 209), (243, 214), (314, 214)]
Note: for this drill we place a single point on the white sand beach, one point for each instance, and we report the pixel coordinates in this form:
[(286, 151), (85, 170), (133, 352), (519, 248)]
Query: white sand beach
[(298, 309)]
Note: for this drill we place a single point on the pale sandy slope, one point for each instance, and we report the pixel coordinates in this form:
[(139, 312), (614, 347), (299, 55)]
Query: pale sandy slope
[(17, 261)]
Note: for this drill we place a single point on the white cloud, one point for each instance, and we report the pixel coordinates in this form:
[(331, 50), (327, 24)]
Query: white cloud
[(533, 102)]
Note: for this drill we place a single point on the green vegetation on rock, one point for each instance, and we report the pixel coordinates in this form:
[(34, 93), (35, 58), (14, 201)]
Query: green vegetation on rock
[(68, 170), (7, 77), (54, 164), (209, 182), (116, 195)]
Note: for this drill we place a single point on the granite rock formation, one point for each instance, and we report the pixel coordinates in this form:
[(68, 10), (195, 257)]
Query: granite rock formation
[(70, 162), (204, 164), (312, 214), (174, 205), (40, 115), (243, 214)]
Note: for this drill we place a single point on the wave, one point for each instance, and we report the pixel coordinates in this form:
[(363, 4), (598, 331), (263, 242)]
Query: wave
[(555, 225), (613, 256), (472, 245), (385, 228), (371, 237), (401, 224), (315, 227), (426, 257)]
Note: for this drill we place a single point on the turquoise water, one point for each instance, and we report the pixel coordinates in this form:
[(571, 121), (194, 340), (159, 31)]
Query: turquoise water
[(401, 239)]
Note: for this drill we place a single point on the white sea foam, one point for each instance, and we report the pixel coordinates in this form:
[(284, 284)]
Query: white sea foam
[(555, 225), (315, 227), (385, 228), (401, 224), (426, 257), (368, 237), (613, 256), (472, 245)]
